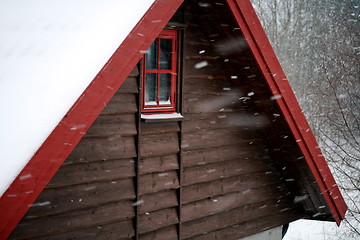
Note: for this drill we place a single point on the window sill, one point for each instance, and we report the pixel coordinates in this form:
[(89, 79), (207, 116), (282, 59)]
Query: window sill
[(162, 117)]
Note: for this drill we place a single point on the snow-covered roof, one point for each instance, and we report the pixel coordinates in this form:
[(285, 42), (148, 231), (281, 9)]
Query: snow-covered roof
[(49, 53)]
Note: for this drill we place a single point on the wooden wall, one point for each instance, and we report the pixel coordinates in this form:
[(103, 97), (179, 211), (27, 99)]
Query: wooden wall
[(231, 187), (92, 194), (209, 176)]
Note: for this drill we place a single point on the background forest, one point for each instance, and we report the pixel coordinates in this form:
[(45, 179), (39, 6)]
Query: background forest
[(317, 43)]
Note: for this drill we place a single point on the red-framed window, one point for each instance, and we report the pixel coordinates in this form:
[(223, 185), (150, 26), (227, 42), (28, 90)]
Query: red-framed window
[(160, 74)]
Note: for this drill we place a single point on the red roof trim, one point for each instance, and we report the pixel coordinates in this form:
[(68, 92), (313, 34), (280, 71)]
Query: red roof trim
[(15, 202), (276, 79)]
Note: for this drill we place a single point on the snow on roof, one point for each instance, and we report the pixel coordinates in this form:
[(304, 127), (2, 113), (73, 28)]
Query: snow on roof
[(49, 52)]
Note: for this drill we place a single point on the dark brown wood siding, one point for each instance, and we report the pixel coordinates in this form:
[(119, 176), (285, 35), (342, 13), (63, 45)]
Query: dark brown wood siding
[(231, 187), (92, 195), (214, 175)]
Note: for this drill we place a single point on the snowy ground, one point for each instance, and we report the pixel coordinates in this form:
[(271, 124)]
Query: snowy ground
[(314, 230)]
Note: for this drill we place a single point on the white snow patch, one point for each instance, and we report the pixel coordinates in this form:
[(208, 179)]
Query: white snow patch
[(275, 97), (310, 229), (162, 116), (201, 64)]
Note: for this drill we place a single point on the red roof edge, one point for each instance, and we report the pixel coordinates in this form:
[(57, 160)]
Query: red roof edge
[(281, 89), (31, 181)]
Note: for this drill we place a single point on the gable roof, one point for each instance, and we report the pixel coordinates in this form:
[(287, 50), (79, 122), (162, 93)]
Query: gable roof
[(49, 157)]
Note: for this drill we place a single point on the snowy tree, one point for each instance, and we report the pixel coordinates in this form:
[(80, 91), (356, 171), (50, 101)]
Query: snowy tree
[(317, 43)]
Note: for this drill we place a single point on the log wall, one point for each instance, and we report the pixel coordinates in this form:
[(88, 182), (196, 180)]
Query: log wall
[(209, 176), (92, 195)]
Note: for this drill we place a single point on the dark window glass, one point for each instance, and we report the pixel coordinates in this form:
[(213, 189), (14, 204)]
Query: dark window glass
[(165, 53), (159, 76), (151, 89), (152, 56), (165, 88)]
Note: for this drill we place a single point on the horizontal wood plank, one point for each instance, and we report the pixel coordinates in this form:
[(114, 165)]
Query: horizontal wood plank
[(242, 121), (155, 220), (93, 172), (227, 185), (229, 201), (113, 231), (217, 137), (204, 156), (155, 182), (195, 103), (135, 72), (157, 128), (158, 164), (168, 233), (112, 126), (160, 200), (96, 149), (245, 229), (239, 215), (159, 145), (213, 171), (56, 200), (130, 85), (75, 220), (121, 103)]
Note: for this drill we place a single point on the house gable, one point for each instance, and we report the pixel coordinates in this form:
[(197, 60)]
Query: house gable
[(114, 73)]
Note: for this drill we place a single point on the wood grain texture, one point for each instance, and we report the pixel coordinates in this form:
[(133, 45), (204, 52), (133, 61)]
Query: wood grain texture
[(159, 145), (229, 201), (121, 103), (209, 172), (245, 121), (113, 126), (130, 85), (57, 200), (113, 231), (251, 212), (108, 170), (223, 186), (159, 219), (96, 149), (158, 164), (157, 201), (245, 229), (168, 233), (216, 138), (255, 150), (155, 182), (158, 128), (75, 220)]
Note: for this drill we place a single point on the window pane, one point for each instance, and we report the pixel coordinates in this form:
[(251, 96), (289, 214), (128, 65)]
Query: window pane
[(165, 54), (152, 56), (151, 88), (164, 88)]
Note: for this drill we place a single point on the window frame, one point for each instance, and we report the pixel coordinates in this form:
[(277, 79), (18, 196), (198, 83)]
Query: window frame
[(172, 106)]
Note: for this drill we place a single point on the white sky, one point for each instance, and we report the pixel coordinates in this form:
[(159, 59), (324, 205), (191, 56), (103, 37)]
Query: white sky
[(49, 52)]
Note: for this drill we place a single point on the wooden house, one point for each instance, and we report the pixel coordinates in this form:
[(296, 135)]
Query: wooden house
[(189, 131)]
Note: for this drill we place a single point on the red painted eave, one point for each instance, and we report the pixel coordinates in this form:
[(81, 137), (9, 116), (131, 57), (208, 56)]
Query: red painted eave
[(15, 202), (276, 80)]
